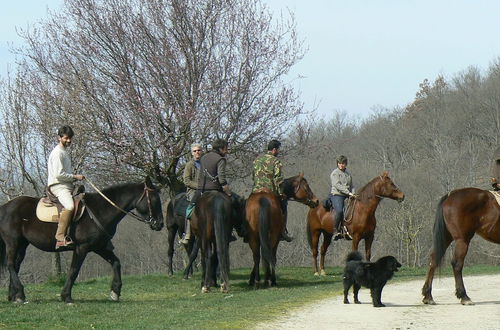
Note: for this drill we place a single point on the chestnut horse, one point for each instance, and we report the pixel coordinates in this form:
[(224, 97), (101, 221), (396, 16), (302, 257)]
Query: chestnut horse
[(461, 214), (361, 224), (265, 223)]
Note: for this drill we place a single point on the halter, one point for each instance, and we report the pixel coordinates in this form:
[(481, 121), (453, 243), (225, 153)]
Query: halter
[(309, 202), (132, 214)]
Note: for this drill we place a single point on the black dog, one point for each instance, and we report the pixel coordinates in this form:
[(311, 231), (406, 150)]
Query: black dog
[(372, 275)]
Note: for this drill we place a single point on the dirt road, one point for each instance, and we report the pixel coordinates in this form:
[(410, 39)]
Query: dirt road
[(404, 308)]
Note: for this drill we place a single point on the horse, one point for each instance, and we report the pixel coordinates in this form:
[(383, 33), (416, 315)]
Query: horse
[(459, 216), (361, 223), (19, 227), (266, 221), (175, 214), (214, 217)]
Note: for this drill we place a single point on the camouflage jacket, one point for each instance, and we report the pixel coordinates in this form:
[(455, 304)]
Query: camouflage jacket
[(267, 173)]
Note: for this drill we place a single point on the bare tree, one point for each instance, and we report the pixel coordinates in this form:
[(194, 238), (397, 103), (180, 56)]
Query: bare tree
[(145, 78)]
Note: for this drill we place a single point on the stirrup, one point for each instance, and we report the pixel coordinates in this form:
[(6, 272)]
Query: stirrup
[(184, 240), (347, 236)]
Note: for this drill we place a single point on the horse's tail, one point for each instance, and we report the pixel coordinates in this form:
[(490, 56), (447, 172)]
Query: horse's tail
[(354, 256), (440, 233), (222, 228), (265, 231)]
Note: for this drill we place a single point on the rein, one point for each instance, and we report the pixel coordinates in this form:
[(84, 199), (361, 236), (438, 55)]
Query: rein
[(132, 214)]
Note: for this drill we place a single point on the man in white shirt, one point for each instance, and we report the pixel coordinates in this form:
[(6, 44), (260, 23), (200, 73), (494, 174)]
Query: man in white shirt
[(60, 183)]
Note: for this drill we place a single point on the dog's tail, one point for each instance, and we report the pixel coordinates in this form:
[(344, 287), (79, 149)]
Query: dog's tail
[(354, 256)]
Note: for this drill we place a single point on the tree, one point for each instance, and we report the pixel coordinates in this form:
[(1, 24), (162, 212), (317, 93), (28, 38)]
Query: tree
[(143, 79)]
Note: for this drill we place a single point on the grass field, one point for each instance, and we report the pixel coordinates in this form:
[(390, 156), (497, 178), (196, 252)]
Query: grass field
[(161, 302)]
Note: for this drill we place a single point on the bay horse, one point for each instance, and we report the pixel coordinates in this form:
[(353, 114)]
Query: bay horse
[(361, 223), (19, 227), (214, 217), (175, 215), (265, 223), (459, 216)]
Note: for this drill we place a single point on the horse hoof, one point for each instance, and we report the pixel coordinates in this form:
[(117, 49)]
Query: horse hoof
[(224, 289), (429, 301), (322, 273), (316, 274), (19, 301), (114, 296), (205, 289), (467, 302)]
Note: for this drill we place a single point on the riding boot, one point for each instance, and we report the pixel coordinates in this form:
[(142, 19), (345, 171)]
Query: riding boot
[(187, 232), (338, 228), (233, 237), (64, 220), (285, 236)]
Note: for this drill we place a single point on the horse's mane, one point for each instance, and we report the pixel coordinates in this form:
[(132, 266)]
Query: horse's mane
[(368, 190), (113, 189), (287, 185)]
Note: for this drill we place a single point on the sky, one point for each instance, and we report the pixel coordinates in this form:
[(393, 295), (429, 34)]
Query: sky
[(362, 55)]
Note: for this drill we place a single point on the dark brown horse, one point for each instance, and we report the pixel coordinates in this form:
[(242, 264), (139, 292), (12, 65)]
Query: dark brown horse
[(175, 214), (265, 223), (214, 218), (361, 224), (459, 216), (19, 227)]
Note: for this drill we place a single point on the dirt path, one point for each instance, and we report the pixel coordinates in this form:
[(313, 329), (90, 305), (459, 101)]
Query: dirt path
[(404, 308)]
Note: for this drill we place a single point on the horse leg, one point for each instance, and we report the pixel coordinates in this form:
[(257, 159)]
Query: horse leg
[(314, 249), (273, 267), (254, 275), (188, 271), (461, 248), (116, 282), (206, 255), (79, 256), (170, 252), (15, 255), (327, 240), (368, 246), (427, 288)]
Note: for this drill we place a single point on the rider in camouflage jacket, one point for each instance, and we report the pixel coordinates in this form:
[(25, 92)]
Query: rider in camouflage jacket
[(267, 174)]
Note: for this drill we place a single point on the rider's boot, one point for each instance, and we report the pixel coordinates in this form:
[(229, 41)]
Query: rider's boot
[(62, 240)]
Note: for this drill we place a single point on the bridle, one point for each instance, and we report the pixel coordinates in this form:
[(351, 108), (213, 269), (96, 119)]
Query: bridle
[(308, 201)]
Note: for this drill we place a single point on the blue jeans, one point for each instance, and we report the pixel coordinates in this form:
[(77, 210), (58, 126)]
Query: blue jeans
[(338, 205)]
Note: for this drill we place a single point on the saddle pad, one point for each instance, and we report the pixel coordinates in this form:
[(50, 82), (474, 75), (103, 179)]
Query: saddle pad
[(497, 195), (180, 205), (47, 212)]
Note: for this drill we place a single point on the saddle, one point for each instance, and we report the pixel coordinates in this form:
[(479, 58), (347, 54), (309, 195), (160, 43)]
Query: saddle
[(348, 209), (180, 205), (49, 208), (497, 195)]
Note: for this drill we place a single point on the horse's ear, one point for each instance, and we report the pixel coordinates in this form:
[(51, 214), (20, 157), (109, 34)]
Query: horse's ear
[(148, 182), (301, 174), (385, 174)]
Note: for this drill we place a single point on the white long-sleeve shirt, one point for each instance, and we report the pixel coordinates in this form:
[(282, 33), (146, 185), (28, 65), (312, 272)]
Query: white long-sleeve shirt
[(59, 167)]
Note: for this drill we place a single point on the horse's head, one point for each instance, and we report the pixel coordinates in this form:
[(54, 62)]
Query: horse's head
[(385, 187), (296, 188), (149, 206)]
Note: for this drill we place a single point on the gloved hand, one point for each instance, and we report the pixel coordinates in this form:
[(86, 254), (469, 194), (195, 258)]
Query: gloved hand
[(226, 189)]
